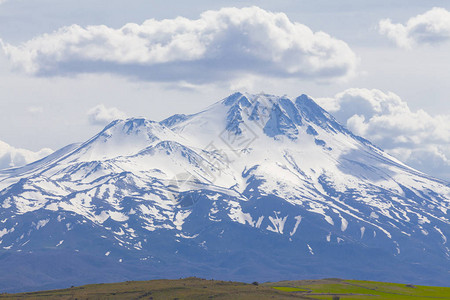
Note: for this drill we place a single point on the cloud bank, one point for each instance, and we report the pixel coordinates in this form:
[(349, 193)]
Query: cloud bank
[(432, 27), (416, 138), (15, 157), (101, 115), (220, 45)]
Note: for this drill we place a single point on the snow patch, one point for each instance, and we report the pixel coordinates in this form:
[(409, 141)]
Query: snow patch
[(444, 238), (52, 207), (298, 220), (5, 231), (42, 223), (258, 223), (329, 220), (180, 217), (397, 247), (344, 224), (118, 216), (277, 223), (184, 236)]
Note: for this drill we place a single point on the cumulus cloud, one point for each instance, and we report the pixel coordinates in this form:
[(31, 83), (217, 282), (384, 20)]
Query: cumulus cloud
[(101, 115), (432, 27), (415, 137), (15, 157), (220, 45)]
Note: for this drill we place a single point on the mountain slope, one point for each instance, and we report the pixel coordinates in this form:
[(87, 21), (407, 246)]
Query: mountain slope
[(255, 187)]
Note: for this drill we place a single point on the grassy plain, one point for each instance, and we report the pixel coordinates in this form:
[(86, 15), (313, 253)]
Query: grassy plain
[(196, 288), (358, 289)]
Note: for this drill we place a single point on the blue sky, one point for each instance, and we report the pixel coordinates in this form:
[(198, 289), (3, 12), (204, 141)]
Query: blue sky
[(68, 67)]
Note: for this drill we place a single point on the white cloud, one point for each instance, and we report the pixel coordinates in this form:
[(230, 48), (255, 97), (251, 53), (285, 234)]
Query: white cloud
[(415, 137), (15, 157), (220, 45), (432, 27), (101, 115)]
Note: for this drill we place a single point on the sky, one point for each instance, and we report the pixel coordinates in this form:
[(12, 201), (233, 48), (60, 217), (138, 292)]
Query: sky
[(67, 68)]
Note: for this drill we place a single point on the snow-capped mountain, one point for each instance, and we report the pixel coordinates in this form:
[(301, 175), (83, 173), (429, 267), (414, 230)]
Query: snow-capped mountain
[(255, 187)]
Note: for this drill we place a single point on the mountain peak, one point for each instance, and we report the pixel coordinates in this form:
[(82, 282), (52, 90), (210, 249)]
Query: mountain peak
[(236, 98), (277, 115), (246, 99)]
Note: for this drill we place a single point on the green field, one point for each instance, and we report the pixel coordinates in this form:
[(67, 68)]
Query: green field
[(196, 288), (358, 289)]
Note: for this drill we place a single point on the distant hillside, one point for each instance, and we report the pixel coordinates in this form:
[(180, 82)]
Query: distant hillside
[(197, 288)]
